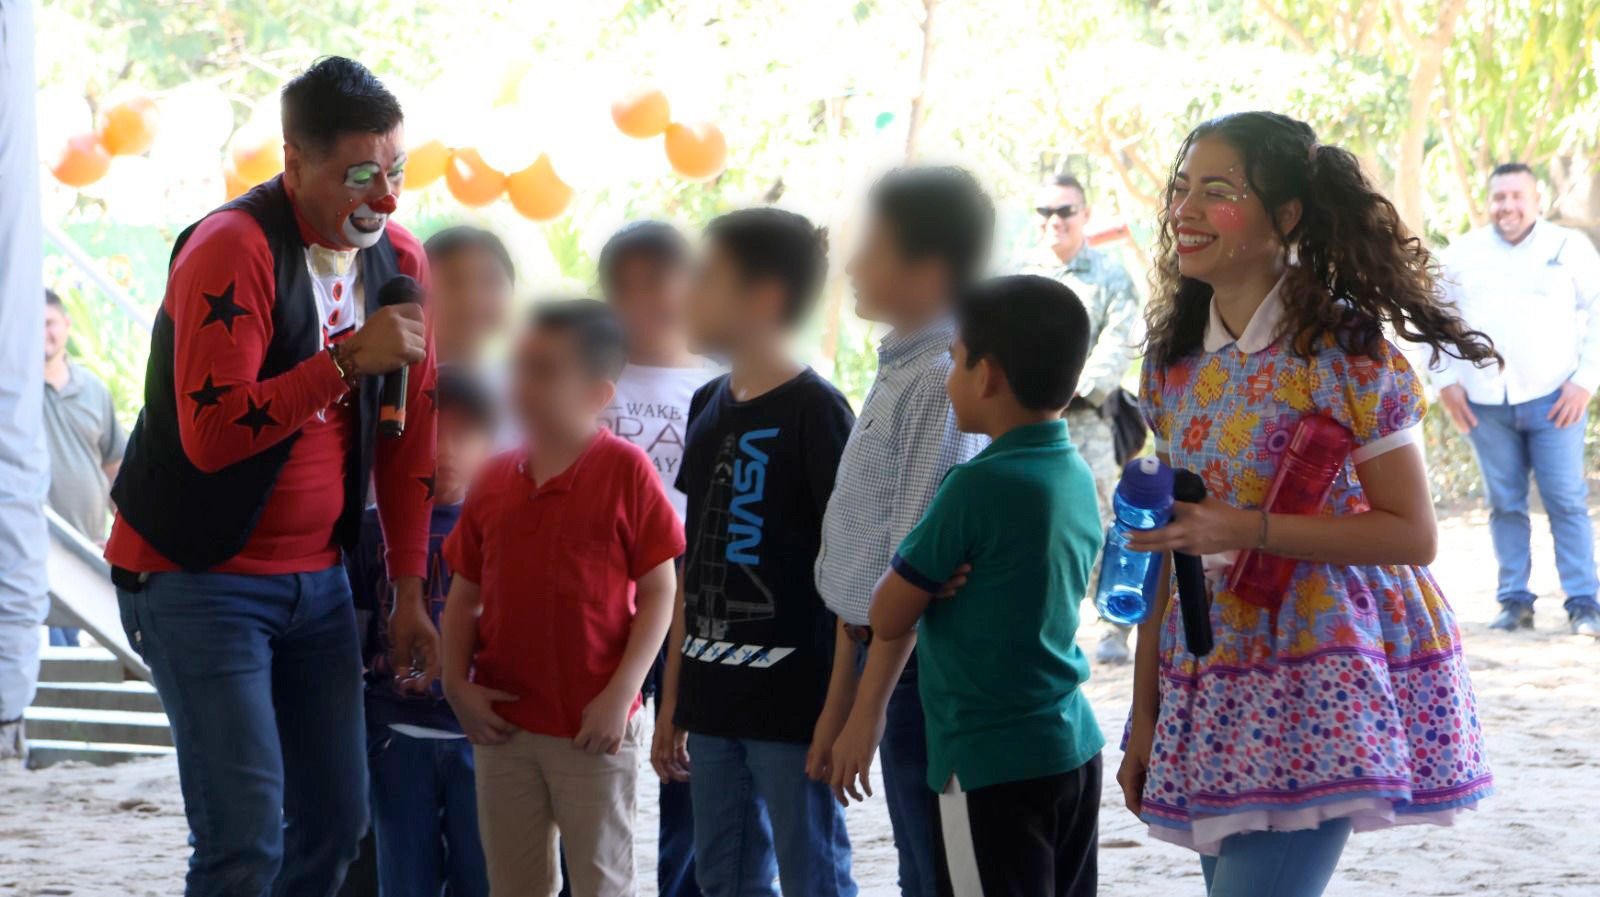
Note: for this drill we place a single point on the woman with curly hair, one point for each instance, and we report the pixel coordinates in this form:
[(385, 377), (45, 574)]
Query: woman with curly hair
[(1348, 707)]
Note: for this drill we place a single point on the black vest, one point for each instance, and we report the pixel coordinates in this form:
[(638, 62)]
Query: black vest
[(196, 519)]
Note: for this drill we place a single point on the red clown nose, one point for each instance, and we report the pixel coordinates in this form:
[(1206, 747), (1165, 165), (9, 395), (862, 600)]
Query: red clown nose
[(384, 205)]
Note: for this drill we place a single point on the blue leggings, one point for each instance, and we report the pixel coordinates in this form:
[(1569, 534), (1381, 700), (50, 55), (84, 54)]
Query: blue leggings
[(1276, 864)]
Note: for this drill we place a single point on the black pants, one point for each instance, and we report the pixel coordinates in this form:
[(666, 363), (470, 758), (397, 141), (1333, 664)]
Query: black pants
[(1033, 838)]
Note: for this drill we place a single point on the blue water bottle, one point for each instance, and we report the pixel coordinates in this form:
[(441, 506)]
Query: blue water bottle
[(1143, 501)]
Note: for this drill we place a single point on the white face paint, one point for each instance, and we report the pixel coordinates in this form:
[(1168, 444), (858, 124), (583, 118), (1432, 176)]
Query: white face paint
[(363, 227)]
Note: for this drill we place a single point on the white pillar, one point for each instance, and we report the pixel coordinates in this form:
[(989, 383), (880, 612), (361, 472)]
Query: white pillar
[(24, 461)]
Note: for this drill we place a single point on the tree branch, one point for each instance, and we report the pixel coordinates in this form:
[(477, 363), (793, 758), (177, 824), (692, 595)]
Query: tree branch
[(1286, 28), (1364, 28), (1397, 14), (1458, 161), (914, 129)]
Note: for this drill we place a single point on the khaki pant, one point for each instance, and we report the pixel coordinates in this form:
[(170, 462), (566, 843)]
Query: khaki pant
[(533, 787)]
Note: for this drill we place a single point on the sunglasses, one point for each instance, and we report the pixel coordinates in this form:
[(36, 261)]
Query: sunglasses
[(1064, 211)]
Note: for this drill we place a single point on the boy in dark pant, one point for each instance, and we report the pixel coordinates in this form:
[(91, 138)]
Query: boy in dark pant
[(751, 646), (926, 235), (424, 812), (1013, 749)]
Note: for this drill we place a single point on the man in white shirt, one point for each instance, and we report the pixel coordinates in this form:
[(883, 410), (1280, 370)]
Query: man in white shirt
[(1534, 288)]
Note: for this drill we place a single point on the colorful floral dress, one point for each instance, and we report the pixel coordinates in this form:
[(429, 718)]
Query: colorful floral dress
[(1353, 699)]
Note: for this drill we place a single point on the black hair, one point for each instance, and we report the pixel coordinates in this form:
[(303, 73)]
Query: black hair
[(336, 96), (657, 241), (463, 237), (766, 243), (1512, 168), (1067, 180), (1357, 267), (938, 212), (1034, 328), (462, 392), (51, 300), (593, 327)]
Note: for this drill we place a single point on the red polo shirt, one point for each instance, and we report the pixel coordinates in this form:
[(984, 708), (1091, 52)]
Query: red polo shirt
[(557, 566)]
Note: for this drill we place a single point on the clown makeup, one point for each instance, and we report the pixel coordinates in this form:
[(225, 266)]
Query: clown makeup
[(363, 223), (1218, 226)]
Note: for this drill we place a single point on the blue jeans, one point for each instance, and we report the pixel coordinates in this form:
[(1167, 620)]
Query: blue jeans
[(64, 637), (913, 806), (1276, 864), (425, 817), (757, 817), (675, 834), (261, 679), (1511, 441)]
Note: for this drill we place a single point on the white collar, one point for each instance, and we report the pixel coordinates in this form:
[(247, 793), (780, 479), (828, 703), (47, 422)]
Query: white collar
[(1259, 333)]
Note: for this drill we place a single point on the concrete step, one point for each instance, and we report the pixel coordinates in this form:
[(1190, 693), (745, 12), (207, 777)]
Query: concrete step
[(97, 726), (133, 695), (79, 665), (49, 751)]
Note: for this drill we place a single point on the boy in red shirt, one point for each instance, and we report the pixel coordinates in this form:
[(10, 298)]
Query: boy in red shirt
[(562, 594)]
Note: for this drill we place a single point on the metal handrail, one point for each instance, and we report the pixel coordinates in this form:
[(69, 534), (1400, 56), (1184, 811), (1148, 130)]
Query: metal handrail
[(91, 269)]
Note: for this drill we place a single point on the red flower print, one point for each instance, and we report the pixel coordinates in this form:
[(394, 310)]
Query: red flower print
[(1259, 385), (1218, 483), (1194, 435)]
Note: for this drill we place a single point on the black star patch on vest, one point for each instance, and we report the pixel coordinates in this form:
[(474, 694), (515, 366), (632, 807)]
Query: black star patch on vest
[(428, 482), (223, 308), (257, 418), (208, 395)]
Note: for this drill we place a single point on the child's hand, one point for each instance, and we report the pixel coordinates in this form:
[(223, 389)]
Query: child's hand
[(819, 758), (474, 708), (954, 583), (1208, 527), (669, 750), (1135, 764), (852, 756), (605, 721)]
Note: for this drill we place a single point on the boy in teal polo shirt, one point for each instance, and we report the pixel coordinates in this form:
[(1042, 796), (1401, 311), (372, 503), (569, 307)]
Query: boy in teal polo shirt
[(1013, 749)]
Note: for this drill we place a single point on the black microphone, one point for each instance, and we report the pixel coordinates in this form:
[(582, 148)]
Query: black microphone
[(400, 290), (1194, 598)]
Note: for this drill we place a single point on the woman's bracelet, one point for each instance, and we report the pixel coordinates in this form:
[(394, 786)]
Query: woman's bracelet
[(1261, 537)]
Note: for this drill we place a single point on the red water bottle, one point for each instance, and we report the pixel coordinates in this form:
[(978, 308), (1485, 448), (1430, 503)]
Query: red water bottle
[(1305, 476)]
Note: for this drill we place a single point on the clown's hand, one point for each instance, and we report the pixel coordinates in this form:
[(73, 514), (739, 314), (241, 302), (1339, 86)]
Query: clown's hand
[(394, 336)]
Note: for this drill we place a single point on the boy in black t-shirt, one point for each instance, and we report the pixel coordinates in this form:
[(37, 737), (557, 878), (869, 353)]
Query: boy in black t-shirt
[(751, 643)]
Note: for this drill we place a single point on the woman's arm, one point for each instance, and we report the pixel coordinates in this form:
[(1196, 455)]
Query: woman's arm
[(1399, 529)]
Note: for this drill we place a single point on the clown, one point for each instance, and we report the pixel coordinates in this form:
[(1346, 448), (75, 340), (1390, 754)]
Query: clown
[(245, 480)]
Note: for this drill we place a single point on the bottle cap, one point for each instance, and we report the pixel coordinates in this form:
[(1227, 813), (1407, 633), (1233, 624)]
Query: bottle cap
[(1146, 483), (1320, 440)]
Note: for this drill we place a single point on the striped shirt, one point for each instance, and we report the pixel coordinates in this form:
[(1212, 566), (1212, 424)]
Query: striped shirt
[(904, 442)]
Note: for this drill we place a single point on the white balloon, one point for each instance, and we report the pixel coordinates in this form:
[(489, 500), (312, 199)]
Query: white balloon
[(196, 120), (133, 191), (506, 140), (61, 113)]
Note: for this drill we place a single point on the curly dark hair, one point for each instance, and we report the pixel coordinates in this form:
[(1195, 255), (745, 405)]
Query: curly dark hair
[(1355, 266)]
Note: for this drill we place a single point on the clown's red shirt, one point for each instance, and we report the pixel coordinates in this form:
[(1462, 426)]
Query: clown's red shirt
[(224, 275)]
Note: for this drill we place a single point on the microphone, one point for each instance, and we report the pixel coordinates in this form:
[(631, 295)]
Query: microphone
[(1194, 597), (399, 290)]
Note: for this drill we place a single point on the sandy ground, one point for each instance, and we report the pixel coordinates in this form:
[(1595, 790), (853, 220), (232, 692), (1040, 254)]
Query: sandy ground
[(120, 832)]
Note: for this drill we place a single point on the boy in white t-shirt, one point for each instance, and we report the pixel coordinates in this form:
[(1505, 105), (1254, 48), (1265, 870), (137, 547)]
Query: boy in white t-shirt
[(643, 270)]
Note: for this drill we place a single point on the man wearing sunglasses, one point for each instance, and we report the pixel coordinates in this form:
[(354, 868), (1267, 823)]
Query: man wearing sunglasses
[(1102, 283)]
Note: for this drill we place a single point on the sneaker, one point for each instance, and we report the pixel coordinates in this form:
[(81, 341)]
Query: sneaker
[(1585, 621), (1113, 647), (1513, 617)]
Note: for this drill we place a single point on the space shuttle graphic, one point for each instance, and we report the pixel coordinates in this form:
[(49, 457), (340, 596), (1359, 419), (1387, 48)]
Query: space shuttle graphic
[(710, 609)]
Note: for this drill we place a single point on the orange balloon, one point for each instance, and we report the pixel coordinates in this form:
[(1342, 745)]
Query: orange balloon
[(537, 192), (83, 161), (257, 156), (697, 150), (235, 185), (129, 127), (642, 113), (471, 181), (426, 164)]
